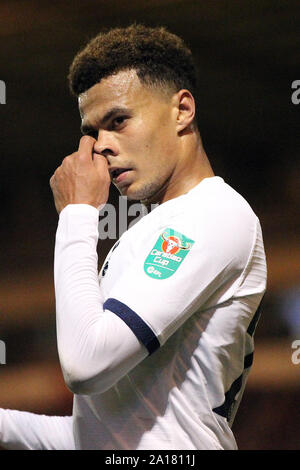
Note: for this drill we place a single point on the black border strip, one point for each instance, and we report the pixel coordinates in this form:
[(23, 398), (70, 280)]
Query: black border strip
[(141, 330)]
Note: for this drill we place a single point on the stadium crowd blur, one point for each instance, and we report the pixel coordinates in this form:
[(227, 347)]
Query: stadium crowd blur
[(247, 57)]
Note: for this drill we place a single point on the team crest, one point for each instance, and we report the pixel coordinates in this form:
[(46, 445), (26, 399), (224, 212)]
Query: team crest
[(167, 254)]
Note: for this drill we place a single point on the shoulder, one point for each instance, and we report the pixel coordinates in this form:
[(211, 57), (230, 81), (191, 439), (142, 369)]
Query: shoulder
[(215, 217), (214, 209), (220, 220)]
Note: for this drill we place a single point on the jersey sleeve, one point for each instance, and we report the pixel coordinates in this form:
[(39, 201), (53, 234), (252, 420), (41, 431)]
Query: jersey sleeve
[(21, 430), (177, 270)]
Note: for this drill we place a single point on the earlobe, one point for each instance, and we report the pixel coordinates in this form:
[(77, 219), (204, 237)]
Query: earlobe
[(186, 109)]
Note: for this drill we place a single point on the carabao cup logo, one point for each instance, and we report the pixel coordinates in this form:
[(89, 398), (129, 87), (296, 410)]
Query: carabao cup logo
[(167, 254), (172, 244)]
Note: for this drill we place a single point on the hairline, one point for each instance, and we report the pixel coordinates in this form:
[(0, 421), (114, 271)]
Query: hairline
[(163, 88)]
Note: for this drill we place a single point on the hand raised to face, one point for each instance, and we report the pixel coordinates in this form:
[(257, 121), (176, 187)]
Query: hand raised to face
[(82, 178)]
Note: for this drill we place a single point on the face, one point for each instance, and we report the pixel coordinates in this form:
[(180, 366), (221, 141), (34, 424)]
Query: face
[(135, 129)]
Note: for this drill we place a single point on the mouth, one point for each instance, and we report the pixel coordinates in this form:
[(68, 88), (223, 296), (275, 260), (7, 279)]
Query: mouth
[(119, 174)]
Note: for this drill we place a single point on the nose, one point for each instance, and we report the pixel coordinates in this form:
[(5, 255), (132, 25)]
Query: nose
[(106, 145)]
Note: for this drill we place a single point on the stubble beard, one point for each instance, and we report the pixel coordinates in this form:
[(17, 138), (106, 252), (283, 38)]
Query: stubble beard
[(148, 193)]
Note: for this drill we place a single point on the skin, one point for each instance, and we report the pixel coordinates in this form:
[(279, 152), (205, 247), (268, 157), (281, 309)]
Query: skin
[(148, 131)]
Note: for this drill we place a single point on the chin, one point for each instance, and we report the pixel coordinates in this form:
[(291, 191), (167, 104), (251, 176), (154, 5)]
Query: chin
[(141, 192), (132, 195)]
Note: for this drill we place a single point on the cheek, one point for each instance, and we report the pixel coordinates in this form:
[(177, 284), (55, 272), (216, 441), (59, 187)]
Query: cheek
[(151, 146), (140, 147), (136, 141)]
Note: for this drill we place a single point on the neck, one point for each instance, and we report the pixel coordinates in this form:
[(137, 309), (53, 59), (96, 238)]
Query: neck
[(190, 170)]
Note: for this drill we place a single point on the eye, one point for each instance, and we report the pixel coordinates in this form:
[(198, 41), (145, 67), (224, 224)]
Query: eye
[(118, 121)]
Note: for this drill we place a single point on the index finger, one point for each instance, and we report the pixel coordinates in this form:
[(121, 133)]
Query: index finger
[(85, 148)]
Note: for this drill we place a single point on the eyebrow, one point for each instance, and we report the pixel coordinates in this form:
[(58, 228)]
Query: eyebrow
[(86, 128)]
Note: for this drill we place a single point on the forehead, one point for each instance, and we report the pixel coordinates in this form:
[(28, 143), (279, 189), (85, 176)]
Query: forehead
[(123, 88)]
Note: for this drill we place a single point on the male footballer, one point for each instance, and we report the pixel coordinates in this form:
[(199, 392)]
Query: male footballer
[(157, 347)]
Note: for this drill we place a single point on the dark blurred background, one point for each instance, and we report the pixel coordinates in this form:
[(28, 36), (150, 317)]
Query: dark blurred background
[(247, 56)]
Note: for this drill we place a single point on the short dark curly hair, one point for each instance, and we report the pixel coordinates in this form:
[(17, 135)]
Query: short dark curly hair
[(160, 58)]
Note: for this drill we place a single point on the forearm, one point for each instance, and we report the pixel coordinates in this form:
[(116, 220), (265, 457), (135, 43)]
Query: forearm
[(95, 347), (21, 430)]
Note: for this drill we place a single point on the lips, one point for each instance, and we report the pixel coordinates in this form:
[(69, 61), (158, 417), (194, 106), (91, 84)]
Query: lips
[(119, 175), (115, 173)]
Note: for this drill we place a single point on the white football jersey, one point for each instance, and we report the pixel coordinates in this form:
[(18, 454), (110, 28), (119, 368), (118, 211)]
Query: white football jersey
[(186, 282)]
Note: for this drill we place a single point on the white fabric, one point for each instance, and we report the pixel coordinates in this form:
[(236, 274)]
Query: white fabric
[(124, 398), (20, 430)]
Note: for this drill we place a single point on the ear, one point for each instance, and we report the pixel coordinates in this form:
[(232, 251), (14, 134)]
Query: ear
[(185, 109)]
